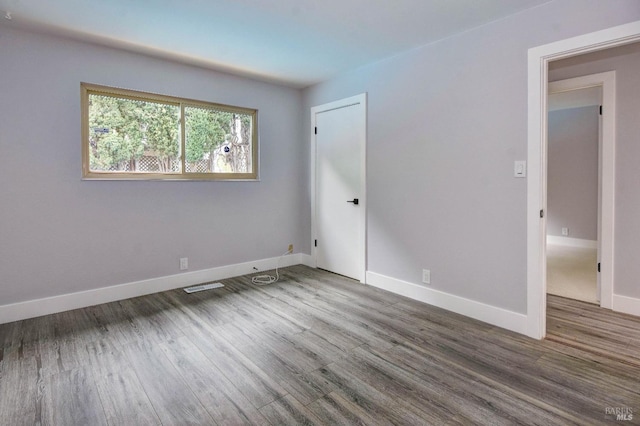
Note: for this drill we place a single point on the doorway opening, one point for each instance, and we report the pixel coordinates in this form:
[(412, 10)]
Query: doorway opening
[(539, 61), (574, 187)]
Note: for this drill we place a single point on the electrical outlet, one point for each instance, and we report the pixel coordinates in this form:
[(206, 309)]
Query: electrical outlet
[(565, 231), (426, 276), (184, 263), (290, 248)]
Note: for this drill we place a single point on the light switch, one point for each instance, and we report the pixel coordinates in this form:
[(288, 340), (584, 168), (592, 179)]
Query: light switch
[(520, 169)]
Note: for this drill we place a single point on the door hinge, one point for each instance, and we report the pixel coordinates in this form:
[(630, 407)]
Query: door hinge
[(315, 243), (598, 266), (541, 213), (600, 109), (315, 130)]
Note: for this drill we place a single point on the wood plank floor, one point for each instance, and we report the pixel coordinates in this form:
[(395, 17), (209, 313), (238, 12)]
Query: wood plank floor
[(314, 348)]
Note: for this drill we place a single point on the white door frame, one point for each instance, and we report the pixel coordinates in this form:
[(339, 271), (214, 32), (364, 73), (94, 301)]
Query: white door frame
[(362, 243), (606, 175), (539, 58)]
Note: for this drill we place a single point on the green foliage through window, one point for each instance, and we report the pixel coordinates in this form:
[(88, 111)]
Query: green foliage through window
[(133, 135)]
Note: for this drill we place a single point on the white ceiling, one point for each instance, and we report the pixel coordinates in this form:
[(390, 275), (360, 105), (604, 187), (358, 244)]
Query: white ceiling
[(291, 42)]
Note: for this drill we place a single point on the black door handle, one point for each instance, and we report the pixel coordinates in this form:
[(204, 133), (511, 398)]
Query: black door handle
[(355, 201)]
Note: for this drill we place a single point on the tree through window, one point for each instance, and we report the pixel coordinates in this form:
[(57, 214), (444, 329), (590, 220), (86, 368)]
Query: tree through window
[(135, 135)]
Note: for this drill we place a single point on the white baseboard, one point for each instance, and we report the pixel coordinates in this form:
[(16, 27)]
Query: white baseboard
[(625, 304), (571, 242), (306, 260), (490, 314), (66, 302)]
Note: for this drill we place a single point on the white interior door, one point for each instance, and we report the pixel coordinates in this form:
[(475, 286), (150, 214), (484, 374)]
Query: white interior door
[(339, 188)]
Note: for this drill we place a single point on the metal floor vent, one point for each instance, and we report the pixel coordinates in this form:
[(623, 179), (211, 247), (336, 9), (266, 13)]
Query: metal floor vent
[(203, 287)]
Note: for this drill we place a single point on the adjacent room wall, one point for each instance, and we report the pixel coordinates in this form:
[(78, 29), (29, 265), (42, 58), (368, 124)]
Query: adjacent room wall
[(625, 61), (572, 172), (445, 123), (59, 234)]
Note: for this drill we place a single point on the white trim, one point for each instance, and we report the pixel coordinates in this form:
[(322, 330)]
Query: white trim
[(66, 302), (360, 99), (306, 260), (627, 305), (490, 314), (572, 242), (539, 58)]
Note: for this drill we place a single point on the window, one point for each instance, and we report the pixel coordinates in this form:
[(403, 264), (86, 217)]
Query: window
[(136, 135)]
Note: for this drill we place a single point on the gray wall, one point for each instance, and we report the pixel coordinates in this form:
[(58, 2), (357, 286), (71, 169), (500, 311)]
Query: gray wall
[(626, 62), (446, 121), (572, 173), (59, 234)]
